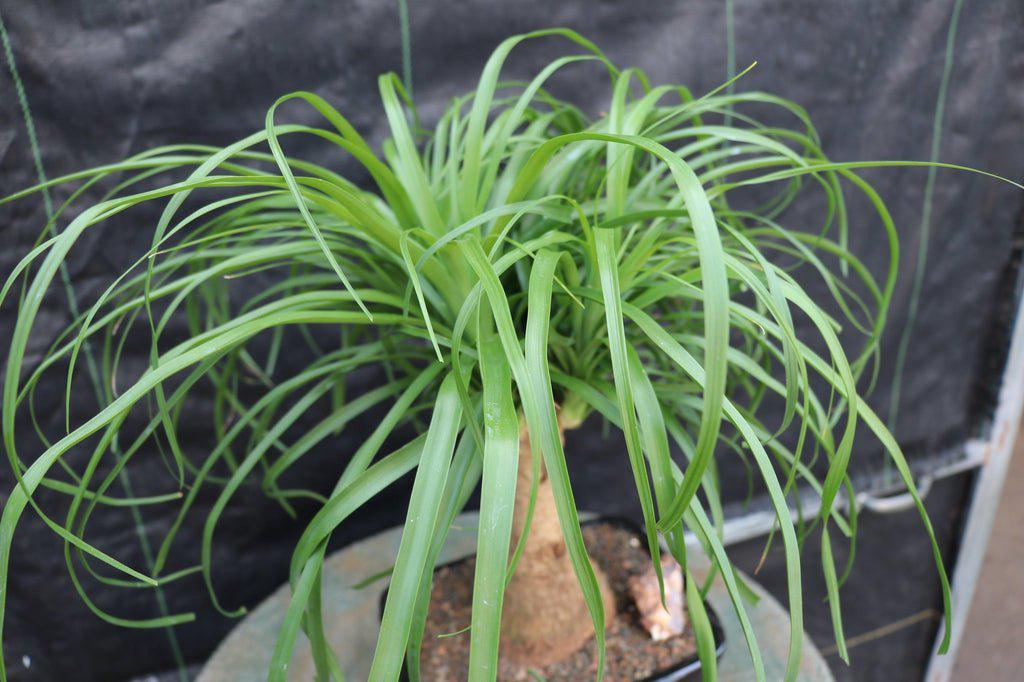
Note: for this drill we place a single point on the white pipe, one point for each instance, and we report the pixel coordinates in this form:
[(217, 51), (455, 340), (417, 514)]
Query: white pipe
[(884, 500)]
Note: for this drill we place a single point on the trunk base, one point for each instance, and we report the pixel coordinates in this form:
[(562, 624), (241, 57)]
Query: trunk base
[(553, 622), (544, 617), (619, 549)]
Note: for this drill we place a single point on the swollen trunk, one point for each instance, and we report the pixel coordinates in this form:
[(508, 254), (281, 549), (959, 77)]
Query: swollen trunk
[(544, 618)]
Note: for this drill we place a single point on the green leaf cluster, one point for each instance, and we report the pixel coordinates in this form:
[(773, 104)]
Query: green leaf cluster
[(520, 263)]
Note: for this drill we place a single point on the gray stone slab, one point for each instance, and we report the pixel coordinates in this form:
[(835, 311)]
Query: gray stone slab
[(352, 619)]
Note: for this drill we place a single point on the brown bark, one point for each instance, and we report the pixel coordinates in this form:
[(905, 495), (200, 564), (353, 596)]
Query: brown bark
[(544, 617)]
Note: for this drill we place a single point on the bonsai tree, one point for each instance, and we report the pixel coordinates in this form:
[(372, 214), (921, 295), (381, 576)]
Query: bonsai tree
[(513, 271)]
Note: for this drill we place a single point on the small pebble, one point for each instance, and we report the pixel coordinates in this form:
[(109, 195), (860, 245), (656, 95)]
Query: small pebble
[(661, 620)]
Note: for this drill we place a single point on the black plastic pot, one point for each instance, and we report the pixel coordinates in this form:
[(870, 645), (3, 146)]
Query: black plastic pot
[(687, 669)]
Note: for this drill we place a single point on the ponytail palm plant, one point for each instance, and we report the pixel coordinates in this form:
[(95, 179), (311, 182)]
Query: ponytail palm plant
[(513, 271)]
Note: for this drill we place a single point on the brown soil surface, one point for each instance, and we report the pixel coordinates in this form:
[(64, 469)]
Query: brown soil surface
[(630, 653)]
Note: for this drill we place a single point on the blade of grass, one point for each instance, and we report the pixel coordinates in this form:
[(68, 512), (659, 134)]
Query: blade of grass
[(497, 497)]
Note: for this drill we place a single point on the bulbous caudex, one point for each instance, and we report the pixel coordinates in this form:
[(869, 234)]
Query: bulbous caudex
[(544, 617)]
